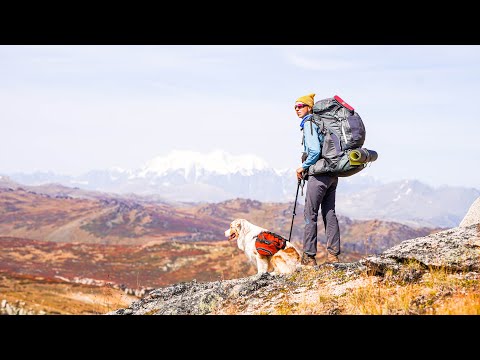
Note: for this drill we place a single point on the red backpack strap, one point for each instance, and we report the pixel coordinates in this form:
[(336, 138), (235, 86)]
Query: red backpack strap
[(275, 237)]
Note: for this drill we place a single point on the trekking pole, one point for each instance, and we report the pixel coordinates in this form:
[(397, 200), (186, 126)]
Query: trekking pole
[(294, 207)]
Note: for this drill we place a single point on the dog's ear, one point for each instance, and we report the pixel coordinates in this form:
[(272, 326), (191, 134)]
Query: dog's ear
[(239, 224)]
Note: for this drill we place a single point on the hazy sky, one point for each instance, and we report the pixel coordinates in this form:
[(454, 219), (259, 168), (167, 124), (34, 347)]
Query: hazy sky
[(71, 109)]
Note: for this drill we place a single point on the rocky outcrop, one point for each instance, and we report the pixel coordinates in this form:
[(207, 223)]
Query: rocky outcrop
[(17, 308), (456, 249), (473, 215), (251, 295), (139, 292)]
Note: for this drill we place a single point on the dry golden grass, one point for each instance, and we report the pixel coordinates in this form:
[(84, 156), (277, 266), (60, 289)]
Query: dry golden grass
[(378, 300), (462, 304), (229, 309), (411, 291), (436, 291)]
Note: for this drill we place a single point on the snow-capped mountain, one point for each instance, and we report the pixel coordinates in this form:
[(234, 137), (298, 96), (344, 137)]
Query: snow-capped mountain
[(194, 164), (185, 176), (217, 176)]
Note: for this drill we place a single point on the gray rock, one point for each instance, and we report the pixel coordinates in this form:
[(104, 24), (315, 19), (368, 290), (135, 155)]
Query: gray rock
[(473, 215), (454, 249)]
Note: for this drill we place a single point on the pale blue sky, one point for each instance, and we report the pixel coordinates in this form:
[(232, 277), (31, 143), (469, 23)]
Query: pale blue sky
[(70, 109)]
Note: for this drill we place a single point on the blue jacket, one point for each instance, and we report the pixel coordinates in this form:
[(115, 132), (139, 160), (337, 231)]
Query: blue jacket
[(312, 143)]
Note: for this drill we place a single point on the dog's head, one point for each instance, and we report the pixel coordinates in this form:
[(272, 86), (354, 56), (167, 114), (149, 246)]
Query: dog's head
[(233, 232)]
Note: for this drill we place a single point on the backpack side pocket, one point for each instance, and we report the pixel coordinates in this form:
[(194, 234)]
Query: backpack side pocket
[(355, 131), (330, 154)]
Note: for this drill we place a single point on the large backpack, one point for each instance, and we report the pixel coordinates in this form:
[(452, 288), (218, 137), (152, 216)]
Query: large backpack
[(343, 130)]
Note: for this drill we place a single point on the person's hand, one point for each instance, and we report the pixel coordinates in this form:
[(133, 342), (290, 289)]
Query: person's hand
[(300, 172)]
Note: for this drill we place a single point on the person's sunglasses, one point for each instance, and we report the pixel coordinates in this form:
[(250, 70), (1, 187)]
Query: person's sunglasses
[(300, 106)]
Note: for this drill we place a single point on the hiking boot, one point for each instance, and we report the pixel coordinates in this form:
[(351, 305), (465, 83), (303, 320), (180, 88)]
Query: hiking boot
[(331, 258), (308, 260)]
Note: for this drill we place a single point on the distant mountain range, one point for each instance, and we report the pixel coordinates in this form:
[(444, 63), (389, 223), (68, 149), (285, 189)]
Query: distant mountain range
[(185, 176), (61, 214)]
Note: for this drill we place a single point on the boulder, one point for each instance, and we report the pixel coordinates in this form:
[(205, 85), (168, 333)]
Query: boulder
[(473, 214)]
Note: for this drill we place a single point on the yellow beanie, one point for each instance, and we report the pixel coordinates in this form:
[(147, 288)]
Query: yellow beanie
[(307, 99)]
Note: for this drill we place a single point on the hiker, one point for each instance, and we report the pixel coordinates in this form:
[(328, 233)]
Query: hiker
[(320, 193)]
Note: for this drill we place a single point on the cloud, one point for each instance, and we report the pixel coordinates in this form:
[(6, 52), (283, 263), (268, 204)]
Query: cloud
[(307, 63)]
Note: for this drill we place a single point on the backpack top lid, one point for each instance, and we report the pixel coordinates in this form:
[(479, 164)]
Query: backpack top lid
[(343, 103), (330, 106)]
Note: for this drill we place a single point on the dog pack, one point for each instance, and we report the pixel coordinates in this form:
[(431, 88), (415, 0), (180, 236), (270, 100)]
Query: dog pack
[(342, 152), (268, 243)]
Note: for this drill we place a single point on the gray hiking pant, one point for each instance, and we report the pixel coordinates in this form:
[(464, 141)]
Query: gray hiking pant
[(321, 190)]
